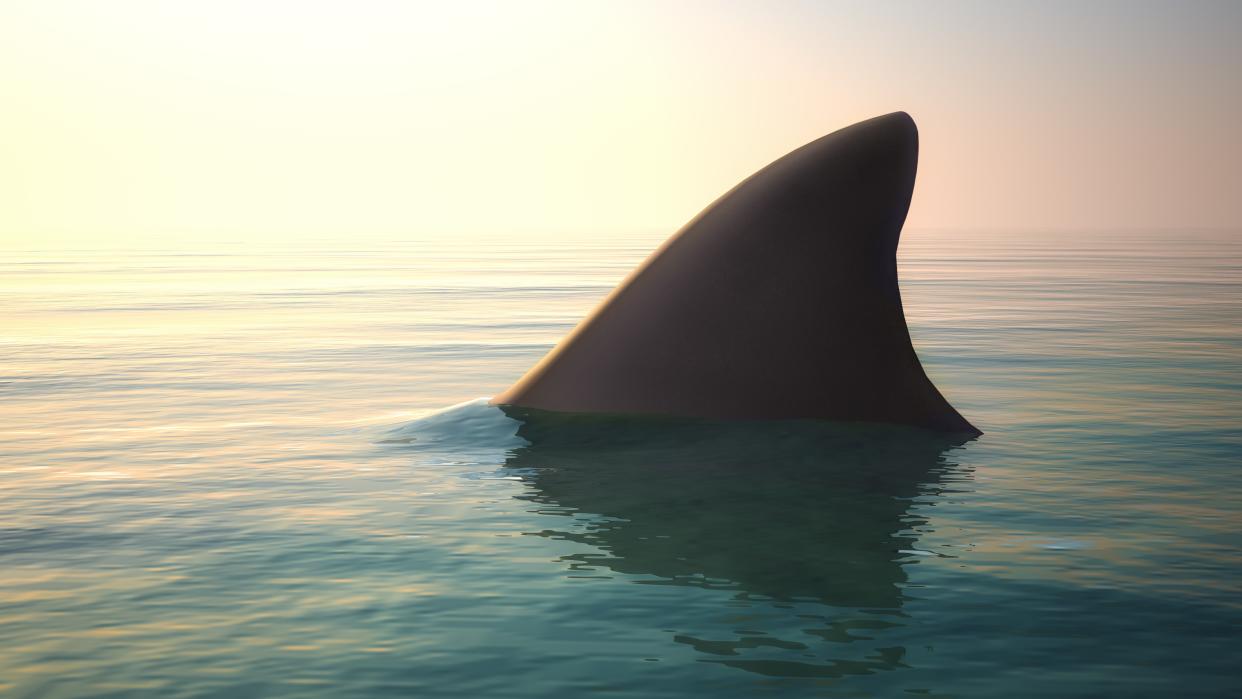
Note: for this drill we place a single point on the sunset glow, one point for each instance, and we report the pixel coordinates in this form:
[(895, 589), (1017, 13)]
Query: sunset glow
[(280, 121)]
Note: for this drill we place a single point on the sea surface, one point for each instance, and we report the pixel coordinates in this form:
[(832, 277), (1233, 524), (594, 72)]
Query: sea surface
[(272, 472)]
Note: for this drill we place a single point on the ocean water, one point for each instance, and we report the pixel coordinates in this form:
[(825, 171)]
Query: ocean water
[(252, 472)]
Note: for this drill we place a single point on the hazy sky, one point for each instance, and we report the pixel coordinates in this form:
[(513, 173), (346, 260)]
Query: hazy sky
[(273, 121)]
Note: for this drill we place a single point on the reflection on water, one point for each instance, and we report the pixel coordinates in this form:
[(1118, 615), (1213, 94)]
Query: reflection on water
[(780, 512)]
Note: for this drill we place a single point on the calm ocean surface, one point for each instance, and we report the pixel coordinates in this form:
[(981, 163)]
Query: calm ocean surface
[(241, 474)]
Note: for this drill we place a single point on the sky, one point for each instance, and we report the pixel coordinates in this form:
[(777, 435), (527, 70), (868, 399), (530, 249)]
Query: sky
[(280, 122)]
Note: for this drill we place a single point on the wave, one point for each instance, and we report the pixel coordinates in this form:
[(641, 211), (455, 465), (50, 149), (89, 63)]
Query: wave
[(473, 429)]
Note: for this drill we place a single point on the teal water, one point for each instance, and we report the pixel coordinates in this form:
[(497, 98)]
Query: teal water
[(256, 473)]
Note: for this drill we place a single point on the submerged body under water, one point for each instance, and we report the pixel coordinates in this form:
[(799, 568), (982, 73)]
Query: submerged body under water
[(234, 474)]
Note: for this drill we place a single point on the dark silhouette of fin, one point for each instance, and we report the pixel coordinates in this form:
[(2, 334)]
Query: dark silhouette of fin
[(778, 301)]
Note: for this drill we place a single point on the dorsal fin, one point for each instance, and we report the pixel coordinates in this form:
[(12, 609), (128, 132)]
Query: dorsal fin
[(779, 300)]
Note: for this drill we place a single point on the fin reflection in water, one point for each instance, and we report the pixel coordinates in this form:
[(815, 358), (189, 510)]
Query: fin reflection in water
[(790, 515)]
